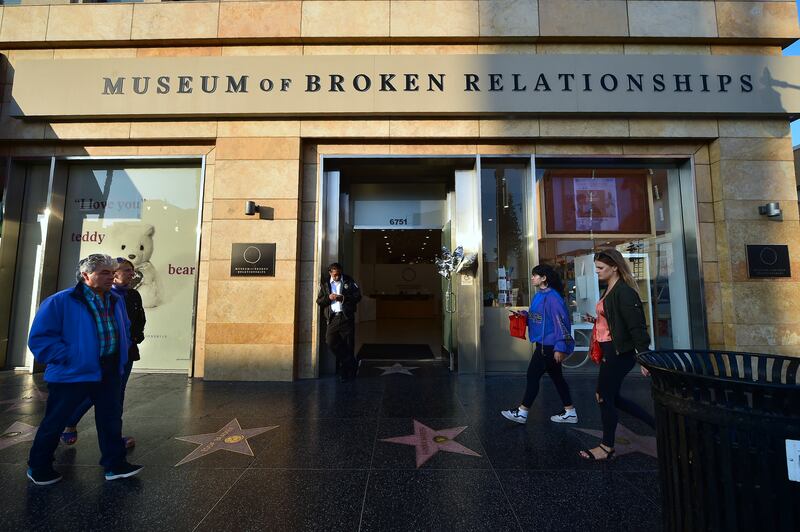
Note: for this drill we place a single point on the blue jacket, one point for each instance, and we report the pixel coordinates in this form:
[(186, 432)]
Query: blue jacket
[(64, 336), (548, 321)]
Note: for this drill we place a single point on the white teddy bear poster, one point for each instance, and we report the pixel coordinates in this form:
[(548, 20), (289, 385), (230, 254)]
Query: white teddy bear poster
[(149, 216), (134, 241)]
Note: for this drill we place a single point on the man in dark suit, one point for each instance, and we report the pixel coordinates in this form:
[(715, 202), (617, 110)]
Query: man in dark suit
[(338, 297)]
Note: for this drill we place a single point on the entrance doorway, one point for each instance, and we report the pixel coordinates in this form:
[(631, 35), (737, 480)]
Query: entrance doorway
[(385, 219), (400, 315)]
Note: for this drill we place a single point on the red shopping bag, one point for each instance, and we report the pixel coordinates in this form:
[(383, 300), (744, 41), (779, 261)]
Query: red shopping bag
[(517, 324), (595, 351)]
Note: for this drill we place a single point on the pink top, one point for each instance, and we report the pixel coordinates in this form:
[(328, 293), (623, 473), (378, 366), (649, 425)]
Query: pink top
[(602, 331)]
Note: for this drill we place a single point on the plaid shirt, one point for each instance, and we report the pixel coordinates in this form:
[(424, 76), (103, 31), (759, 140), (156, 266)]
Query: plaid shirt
[(104, 318)]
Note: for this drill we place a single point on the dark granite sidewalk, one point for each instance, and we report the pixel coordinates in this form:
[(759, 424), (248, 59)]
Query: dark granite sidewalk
[(319, 461)]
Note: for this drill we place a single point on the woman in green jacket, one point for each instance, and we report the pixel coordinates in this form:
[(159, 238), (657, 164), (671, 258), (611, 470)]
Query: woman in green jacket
[(621, 330)]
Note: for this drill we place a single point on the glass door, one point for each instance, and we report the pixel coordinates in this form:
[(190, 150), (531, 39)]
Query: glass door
[(448, 301), (467, 285), (28, 261)]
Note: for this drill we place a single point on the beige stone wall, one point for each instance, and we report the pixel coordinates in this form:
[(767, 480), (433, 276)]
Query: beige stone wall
[(751, 164), (249, 325), (376, 20)]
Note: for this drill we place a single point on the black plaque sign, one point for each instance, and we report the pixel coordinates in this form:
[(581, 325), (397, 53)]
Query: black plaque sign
[(253, 260), (771, 260)]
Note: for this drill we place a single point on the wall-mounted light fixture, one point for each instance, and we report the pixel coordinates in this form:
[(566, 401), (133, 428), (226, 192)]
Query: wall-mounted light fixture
[(772, 211), (264, 212)]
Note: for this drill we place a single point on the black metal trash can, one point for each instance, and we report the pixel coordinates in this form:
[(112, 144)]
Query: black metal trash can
[(723, 421)]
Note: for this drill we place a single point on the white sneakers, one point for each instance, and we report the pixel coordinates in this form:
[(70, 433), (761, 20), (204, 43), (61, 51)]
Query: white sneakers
[(516, 415), (566, 416), (521, 416)]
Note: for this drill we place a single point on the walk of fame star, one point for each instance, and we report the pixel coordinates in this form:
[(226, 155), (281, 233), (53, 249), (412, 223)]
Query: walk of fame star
[(232, 437), (33, 397), (627, 441), (397, 368), (18, 432), (428, 442)]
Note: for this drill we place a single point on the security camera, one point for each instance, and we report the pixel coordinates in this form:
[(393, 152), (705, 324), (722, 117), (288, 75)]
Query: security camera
[(250, 207)]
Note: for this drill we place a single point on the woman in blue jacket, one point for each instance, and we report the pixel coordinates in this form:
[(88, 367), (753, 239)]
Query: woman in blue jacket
[(549, 330)]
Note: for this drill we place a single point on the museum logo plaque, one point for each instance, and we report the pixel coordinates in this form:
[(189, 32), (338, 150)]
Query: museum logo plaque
[(771, 260), (253, 260)]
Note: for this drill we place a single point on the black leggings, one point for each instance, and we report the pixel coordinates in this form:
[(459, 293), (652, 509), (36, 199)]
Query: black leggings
[(612, 371), (543, 361)]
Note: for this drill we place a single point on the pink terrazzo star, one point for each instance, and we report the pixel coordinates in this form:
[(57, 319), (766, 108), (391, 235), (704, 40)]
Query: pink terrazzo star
[(33, 397), (428, 442), (18, 432), (626, 441)]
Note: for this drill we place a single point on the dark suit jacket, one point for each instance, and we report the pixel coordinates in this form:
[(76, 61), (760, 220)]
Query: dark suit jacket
[(350, 291)]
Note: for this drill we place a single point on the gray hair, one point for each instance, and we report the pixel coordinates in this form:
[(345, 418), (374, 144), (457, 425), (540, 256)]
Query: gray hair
[(94, 262)]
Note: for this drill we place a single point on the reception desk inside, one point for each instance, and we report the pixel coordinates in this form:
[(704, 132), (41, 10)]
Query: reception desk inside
[(405, 305)]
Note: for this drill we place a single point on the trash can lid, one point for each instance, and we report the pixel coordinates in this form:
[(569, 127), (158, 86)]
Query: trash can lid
[(765, 369)]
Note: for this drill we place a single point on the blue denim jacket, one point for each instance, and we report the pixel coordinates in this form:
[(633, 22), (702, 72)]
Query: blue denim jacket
[(548, 321)]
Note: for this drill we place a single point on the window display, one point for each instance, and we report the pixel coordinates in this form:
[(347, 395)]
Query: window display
[(148, 215), (638, 212), (598, 201)]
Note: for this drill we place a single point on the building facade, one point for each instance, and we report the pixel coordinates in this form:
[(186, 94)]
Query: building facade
[(375, 132)]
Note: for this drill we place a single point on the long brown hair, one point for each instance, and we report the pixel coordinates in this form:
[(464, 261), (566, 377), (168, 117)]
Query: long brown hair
[(612, 257)]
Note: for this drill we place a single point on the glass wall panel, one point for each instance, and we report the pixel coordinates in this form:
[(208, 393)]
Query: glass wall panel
[(148, 215), (29, 257), (506, 200), (505, 249), (638, 212)]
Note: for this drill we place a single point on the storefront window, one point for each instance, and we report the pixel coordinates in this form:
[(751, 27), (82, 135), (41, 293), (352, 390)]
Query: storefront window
[(634, 210), (507, 215), (505, 249), (148, 215)]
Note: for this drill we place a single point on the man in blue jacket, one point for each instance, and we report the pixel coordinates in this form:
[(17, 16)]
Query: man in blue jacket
[(82, 334)]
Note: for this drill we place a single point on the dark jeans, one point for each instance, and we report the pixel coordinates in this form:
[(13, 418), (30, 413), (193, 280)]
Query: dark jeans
[(613, 370), (62, 401), (87, 403), (340, 337), (542, 362)]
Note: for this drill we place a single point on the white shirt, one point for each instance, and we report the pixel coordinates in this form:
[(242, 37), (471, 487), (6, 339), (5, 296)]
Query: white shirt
[(336, 288)]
